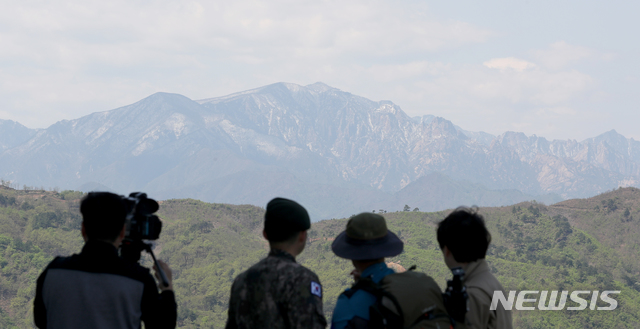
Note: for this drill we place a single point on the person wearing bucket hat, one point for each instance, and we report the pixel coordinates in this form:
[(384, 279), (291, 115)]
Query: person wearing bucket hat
[(277, 292), (366, 242)]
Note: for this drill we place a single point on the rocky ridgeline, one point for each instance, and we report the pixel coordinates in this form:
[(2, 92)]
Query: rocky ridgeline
[(336, 152)]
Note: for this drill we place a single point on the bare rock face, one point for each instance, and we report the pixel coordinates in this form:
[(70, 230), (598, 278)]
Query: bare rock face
[(336, 152), (569, 168)]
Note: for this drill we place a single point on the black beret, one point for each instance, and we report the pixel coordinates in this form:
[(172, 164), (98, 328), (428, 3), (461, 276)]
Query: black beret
[(283, 218)]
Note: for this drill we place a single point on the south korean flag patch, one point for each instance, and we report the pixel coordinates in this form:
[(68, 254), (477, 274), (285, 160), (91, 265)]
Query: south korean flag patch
[(316, 289)]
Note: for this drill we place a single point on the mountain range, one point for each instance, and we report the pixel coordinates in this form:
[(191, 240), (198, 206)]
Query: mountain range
[(335, 152)]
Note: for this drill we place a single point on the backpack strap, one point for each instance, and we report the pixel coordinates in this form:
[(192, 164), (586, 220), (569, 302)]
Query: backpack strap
[(365, 284), (379, 315)]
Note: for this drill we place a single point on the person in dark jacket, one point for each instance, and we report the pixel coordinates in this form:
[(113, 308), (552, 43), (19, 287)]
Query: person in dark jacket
[(96, 288), (277, 292)]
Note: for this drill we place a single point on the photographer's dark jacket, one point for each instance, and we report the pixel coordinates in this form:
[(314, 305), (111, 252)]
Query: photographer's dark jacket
[(97, 289)]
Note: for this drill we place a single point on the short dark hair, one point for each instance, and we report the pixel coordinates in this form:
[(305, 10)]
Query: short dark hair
[(103, 215), (288, 239), (465, 235)]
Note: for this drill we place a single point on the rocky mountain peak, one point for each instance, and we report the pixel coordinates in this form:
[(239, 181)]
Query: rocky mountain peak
[(318, 87), (13, 134), (444, 127), (334, 149), (619, 143)]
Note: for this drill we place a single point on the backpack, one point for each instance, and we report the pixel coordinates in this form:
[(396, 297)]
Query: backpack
[(405, 300)]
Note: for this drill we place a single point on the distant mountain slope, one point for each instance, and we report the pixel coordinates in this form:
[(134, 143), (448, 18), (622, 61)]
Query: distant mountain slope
[(612, 218), (570, 168), (374, 143), (13, 134), (338, 153), (437, 191)]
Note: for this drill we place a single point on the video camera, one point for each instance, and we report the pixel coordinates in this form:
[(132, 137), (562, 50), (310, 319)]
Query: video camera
[(141, 224)]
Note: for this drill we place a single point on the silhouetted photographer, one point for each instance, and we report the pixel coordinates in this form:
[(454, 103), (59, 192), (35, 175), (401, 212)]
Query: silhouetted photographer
[(99, 289)]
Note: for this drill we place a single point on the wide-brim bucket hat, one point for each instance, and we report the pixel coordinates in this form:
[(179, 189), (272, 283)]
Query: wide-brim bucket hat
[(367, 237)]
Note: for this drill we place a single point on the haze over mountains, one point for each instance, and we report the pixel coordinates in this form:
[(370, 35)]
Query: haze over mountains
[(335, 152)]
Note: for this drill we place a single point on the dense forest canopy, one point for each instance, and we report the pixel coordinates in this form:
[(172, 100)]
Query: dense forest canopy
[(586, 244)]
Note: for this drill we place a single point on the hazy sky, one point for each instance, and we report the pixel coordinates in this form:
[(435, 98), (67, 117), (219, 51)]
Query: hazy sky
[(558, 69)]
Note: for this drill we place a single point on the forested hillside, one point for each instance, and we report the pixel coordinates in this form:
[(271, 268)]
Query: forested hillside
[(589, 244), (35, 226)]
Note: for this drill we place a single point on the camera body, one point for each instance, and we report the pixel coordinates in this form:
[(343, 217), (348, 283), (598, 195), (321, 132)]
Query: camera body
[(141, 223)]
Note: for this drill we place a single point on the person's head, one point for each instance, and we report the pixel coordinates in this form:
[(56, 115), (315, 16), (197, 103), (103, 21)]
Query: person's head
[(285, 225), (464, 236), (367, 241), (103, 216)]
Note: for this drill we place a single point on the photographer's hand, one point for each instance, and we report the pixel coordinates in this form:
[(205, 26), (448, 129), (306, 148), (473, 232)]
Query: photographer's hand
[(167, 272)]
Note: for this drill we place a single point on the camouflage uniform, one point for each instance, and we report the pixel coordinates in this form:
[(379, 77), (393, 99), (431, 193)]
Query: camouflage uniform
[(276, 292)]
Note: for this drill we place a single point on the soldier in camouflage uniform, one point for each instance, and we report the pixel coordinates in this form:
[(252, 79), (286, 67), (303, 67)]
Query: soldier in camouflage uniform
[(277, 292)]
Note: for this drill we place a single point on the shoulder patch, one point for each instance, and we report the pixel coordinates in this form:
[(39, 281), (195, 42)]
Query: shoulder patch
[(316, 289)]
